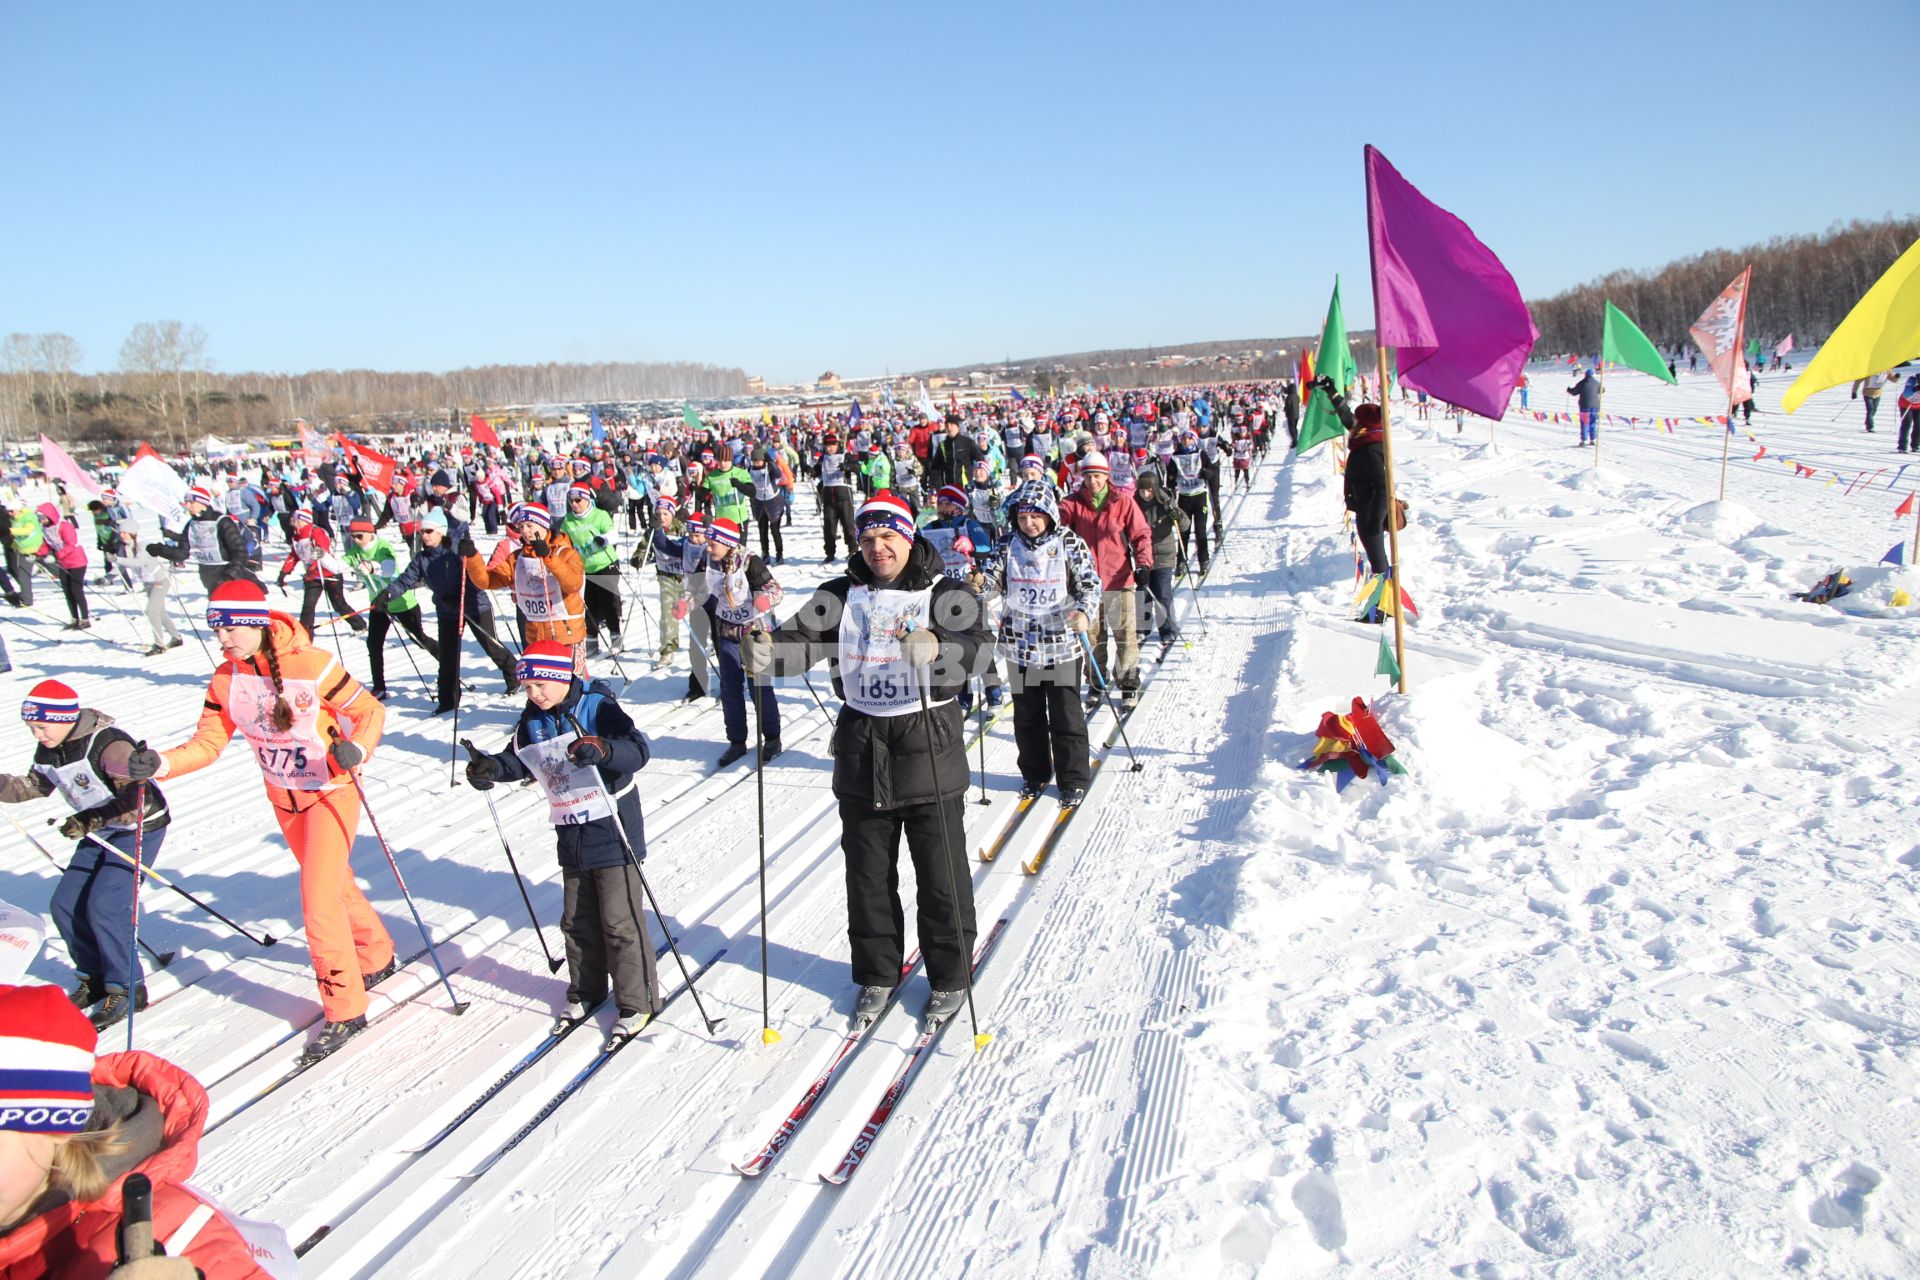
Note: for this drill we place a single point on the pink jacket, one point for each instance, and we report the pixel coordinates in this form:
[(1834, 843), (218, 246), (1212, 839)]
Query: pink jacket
[(62, 539)]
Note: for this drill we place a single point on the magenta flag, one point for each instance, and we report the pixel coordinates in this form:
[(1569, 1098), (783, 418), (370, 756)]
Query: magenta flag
[(1447, 306), (59, 465)]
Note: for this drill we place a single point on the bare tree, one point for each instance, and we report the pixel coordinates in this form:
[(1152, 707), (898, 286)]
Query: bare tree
[(57, 354), (16, 358)]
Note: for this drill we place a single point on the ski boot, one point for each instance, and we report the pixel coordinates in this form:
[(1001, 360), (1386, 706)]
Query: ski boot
[(569, 1017), (943, 1005), (734, 751), (378, 976), (1031, 790), (87, 994), (116, 1006), (330, 1037), (1070, 797), (869, 1005), (625, 1028), (770, 750)]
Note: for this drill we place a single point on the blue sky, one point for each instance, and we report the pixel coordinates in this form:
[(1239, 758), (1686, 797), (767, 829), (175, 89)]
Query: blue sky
[(793, 188)]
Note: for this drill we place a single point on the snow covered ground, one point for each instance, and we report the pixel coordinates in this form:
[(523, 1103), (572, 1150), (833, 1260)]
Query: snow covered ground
[(1612, 982)]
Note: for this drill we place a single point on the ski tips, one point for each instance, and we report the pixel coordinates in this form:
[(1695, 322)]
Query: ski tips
[(769, 1036), (981, 1040)]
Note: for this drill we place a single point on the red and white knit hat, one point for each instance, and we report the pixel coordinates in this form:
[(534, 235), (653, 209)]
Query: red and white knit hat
[(536, 512), (886, 510), (51, 702), (238, 603), (579, 491), (201, 494), (952, 493), (1094, 462), (46, 1062), (666, 504), (545, 660), (724, 532)]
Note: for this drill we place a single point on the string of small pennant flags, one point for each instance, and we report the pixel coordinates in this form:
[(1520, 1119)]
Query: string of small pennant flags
[(1859, 483)]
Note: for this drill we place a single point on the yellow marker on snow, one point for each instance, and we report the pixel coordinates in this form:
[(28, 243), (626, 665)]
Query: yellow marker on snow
[(769, 1036), (980, 1041)]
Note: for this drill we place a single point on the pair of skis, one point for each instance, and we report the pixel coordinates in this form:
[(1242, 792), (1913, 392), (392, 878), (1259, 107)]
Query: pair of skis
[(889, 1099)]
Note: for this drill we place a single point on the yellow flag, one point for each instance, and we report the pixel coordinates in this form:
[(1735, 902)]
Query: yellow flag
[(1882, 330)]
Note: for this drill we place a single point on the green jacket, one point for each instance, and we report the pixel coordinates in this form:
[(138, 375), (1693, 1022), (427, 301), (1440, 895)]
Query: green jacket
[(879, 471), (27, 538), (592, 536), (731, 492), (377, 565)]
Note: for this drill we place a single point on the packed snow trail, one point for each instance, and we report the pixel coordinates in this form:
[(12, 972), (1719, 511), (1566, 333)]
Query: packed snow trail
[(1614, 981)]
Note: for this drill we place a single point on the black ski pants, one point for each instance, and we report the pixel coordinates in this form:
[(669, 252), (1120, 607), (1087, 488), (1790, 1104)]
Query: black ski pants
[(605, 924), (382, 621), (876, 922), (836, 511), (480, 626), (1050, 726), (1195, 505), (310, 593)]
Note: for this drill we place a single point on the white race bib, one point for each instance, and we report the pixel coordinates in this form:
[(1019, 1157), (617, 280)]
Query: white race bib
[(574, 794), (296, 759), (203, 539), (1036, 578), (536, 592), (77, 783), (873, 675)]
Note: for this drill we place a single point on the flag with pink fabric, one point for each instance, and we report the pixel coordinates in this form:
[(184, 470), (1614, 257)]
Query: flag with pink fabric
[(59, 465), (1441, 299), (1718, 332)]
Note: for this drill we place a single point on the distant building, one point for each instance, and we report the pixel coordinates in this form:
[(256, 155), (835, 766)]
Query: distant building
[(938, 381), (828, 381), (979, 378), (756, 384)]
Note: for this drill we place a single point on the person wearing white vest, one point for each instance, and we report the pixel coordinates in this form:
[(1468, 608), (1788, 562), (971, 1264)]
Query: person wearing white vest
[(580, 745), (891, 621), (82, 755), (1052, 589)]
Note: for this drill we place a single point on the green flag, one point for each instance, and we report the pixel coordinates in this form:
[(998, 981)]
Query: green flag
[(1387, 664), (1622, 342), (1333, 360), (691, 418)]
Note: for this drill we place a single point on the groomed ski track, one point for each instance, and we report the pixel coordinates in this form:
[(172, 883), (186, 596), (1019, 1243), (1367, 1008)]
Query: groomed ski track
[(330, 1154)]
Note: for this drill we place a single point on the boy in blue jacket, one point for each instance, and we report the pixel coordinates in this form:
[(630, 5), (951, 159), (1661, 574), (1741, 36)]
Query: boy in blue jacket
[(579, 745)]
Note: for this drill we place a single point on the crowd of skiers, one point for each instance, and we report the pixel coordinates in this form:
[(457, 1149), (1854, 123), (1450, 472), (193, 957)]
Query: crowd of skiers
[(1014, 552)]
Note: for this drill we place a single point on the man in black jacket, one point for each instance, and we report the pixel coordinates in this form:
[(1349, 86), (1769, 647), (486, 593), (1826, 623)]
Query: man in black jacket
[(951, 459), (214, 542), (891, 622), (440, 568)]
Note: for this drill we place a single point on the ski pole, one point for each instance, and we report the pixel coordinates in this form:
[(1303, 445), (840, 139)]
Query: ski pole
[(139, 865), (553, 966), (980, 1038), (266, 940), (353, 775), (983, 742), (1086, 647), (459, 639), (160, 958), (633, 860), (767, 1034), (1192, 589)]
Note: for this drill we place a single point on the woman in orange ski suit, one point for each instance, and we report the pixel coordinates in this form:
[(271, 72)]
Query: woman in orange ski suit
[(546, 577), (288, 699)]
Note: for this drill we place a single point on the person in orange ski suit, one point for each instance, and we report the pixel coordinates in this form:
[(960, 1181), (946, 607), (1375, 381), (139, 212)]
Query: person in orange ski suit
[(308, 723), (546, 577)]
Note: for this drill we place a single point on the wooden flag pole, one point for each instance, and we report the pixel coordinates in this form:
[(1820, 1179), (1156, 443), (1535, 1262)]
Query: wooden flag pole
[(1393, 534), (1726, 444)]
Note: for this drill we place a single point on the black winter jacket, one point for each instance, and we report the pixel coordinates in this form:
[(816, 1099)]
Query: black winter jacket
[(883, 760)]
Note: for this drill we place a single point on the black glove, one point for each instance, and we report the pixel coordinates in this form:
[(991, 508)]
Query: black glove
[(588, 750), (155, 549), (74, 827), (383, 597), (482, 773), (467, 549), (281, 583), (143, 763), (1325, 383), (638, 558), (346, 753), (540, 547)]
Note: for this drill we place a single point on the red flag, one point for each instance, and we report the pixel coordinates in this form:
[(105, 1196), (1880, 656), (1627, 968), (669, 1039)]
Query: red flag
[(483, 433), (376, 469), (1719, 332), (1905, 508)]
